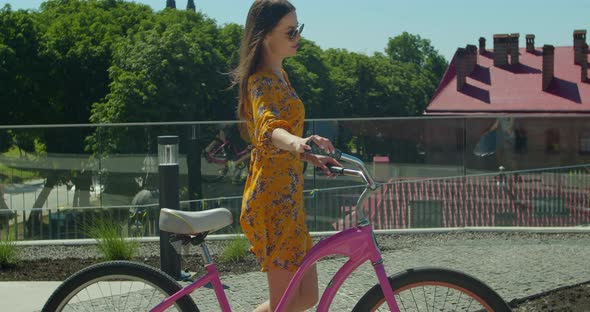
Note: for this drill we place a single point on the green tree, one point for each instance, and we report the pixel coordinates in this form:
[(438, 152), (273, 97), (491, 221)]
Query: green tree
[(230, 36), (310, 76), (74, 47), (23, 72), (352, 76), (409, 48), (169, 70)]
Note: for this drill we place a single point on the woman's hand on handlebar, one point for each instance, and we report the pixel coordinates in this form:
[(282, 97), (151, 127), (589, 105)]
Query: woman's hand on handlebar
[(322, 162), (322, 142)]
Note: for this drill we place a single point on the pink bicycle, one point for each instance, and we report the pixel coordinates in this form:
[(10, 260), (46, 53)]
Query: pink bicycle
[(128, 286), (227, 158)]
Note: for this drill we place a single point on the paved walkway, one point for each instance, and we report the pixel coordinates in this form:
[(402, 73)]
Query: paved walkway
[(515, 267)]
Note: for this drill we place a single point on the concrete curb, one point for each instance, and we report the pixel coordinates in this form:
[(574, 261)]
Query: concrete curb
[(220, 237)]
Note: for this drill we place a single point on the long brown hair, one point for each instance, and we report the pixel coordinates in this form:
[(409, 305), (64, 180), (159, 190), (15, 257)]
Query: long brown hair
[(263, 17)]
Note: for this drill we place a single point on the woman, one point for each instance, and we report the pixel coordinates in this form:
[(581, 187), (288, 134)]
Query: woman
[(273, 218)]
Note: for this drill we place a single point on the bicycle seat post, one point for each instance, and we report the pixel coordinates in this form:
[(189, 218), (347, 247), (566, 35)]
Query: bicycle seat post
[(206, 253)]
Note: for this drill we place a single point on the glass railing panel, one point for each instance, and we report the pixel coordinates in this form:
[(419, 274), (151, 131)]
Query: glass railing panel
[(440, 172), (533, 169), (406, 148), (46, 173), (224, 159)]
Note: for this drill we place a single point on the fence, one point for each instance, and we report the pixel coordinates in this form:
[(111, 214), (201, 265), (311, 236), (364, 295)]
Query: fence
[(555, 197)]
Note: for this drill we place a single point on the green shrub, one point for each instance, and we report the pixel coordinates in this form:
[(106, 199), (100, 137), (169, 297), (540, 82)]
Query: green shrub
[(9, 255), (235, 250), (111, 241)]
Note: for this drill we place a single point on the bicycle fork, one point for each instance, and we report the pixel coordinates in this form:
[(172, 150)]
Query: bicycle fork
[(381, 274), (385, 286)]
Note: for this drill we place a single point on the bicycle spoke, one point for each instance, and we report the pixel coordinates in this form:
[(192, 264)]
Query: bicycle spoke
[(445, 301), (431, 298), (89, 296), (127, 297), (434, 298), (458, 300), (105, 295), (425, 300), (470, 303), (415, 303), (402, 301)]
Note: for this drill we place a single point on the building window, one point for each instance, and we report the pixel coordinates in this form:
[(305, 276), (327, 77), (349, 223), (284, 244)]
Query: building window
[(585, 143), (552, 141)]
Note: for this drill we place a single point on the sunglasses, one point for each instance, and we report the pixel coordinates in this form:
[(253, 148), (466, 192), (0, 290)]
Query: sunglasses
[(293, 32)]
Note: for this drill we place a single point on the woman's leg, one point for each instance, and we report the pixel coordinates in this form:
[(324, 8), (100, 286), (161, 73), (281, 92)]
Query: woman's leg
[(305, 297)]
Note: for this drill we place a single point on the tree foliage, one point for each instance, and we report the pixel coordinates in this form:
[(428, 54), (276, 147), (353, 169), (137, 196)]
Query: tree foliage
[(105, 61)]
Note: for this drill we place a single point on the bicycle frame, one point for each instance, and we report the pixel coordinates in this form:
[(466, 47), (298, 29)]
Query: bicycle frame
[(210, 156), (356, 243), (212, 277)]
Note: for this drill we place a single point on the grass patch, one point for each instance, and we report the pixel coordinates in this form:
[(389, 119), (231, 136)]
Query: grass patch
[(235, 250), (9, 254), (111, 241)]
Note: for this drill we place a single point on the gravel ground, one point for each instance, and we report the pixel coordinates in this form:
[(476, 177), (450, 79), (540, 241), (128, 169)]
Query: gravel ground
[(387, 242), (516, 264)]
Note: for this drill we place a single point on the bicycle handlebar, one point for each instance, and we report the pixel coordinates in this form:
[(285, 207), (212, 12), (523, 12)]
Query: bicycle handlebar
[(362, 172)]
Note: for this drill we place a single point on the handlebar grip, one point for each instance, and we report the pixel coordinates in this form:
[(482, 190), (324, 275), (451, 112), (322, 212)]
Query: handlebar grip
[(315, 149), (336, 170)]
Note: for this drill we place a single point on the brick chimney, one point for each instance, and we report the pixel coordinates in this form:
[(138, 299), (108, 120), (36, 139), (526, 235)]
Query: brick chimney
[(584, 62), (579, 41), (548, 65), (500, 49), (461, 68), (482, 45), (530, 43), (514, 54), (471, 58)]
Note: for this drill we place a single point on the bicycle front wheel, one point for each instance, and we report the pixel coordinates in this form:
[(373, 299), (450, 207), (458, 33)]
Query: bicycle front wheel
[(434, 289), (116, 286)]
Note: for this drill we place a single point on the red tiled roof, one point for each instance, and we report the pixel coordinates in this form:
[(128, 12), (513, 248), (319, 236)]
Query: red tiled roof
[(514, 88), (533, 199)]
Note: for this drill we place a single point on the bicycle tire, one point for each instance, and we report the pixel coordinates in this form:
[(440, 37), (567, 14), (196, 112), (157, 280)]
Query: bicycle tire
[(434, 277), (116, 271)]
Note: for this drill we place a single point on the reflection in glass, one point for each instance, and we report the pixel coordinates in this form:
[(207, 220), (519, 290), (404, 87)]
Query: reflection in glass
[(440, 172)]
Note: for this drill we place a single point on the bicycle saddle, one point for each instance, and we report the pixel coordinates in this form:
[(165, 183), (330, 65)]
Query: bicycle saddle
[(194, 222)]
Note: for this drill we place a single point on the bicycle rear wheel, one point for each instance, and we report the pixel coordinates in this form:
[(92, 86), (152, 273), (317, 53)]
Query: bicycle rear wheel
[(116, 286), (434, 289)]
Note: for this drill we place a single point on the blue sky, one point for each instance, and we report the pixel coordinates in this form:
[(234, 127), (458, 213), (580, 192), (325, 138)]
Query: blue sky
[(365, 25)]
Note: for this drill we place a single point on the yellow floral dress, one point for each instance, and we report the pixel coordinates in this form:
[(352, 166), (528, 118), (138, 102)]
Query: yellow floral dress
[(272, 217)]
